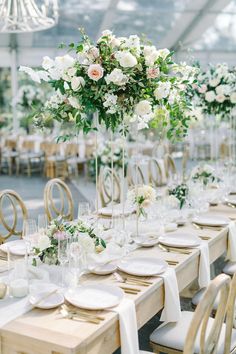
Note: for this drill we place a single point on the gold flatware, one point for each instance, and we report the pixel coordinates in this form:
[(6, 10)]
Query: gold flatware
[(173, 249), (76, 310), (231, 205), (80, 317), (129, 289), (202, 227), (205, 238), (140, 280), (131, 292), (171, 262)]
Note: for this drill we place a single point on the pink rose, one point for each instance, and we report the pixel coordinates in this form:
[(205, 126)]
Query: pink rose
[(152, 73), (60, 235), (202, 89), (95, 72)]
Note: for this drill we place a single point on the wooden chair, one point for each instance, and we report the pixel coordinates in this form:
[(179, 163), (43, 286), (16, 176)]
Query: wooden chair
[(10, 197), (29, 160), (135, 175), (64, 206), (105, 186), (169, 166), (196, 332), (154, 173)]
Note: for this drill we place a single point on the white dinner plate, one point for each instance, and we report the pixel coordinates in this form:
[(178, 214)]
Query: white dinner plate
[(211, 220), (16, 247), (117, 210), (95, 296), (177, 239), (231, 199), (146, 241), (103, 269), (142, 266), (54, 300)]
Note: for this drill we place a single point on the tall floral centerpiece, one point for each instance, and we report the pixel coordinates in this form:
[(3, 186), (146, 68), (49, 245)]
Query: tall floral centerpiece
[(216, 95), (122, 79)]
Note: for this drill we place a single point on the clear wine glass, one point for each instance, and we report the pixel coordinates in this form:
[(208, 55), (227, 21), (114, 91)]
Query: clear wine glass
[(84, 210), (42, 223), (30, 236), (63, 256), (77, 261)]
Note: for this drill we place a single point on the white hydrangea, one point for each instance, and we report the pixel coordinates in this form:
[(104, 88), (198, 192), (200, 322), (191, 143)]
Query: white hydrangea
[(143, 108)]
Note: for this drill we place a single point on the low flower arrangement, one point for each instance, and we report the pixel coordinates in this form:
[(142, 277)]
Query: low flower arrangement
[(204, 174), (141, 197), (181, 192), (87, 236), (216, 90), (105, 152)]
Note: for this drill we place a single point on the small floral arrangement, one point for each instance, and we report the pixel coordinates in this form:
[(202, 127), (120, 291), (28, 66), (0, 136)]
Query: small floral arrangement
[(216, 90), (87, 236), (141, 197), (204, 174), (181, 192), (29, 96), (121, 78), (105, 152)]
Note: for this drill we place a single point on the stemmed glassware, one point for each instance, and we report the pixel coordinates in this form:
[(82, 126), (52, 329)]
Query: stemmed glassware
[(30, 236), (77, 261), (63, 255), (84, 210), (42, 223)]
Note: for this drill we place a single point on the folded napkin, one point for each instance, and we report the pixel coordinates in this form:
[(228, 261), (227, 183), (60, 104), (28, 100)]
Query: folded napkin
[(128, 327), (111, 253), (231, 253), (172, 309), (204, 275)]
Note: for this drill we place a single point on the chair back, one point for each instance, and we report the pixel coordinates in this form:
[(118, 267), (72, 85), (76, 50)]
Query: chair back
[(13, 212), (170, 167), (209, 337), (28, 145), (107, 188), (135, 175), (230, 315), (154, 173), (58, 200)]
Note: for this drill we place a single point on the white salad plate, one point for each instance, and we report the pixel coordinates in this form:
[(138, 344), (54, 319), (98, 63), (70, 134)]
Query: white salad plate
[(95, 296), (16, 247), (146, 241), (211, 220), (142, 266), (52, 301), (117, 210), (103, 269), (177, 239)]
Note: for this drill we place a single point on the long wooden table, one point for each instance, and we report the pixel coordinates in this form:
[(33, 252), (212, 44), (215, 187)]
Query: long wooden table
[(44, 332)]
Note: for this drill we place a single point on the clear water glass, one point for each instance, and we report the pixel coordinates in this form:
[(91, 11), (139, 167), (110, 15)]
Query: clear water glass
[(30, 236), (63, 256), (77, 262), (84, 210), (42, 223)]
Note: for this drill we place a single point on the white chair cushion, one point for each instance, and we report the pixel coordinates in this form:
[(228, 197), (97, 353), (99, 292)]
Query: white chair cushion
[(173, 335), (199, 295), (230, 268)]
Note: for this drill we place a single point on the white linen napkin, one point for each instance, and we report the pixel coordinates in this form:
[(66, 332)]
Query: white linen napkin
[(231, 252), (204, 275), (172, 309), (128, 327), (12, 308)]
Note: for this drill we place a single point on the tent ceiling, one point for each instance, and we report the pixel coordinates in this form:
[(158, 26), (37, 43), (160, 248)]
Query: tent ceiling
[(206, 26)]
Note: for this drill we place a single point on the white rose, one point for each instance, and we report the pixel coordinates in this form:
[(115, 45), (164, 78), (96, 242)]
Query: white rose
[(73, 102), (210, 96), (214, 82), (77, 82), (47, 63), (233, 97), (64, 62), (163, 53), (202, 89), (71, 72), (55, 73), (126, 59), (43, 242), (220, 98), (86, 242), (143, 108), (163, 90), (117, 77), (220, 90)]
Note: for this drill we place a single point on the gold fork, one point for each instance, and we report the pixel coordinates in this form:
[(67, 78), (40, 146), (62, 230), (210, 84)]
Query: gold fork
[(173, 249)]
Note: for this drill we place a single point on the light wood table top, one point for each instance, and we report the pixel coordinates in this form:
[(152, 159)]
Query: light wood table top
[(44, 332)]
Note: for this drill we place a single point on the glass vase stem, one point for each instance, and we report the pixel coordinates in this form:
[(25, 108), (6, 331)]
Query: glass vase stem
[(96, 161), (112, 179)]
